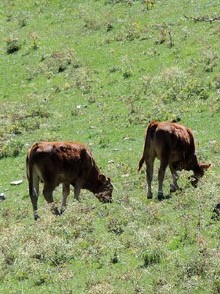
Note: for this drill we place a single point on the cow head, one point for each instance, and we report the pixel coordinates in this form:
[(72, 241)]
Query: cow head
[(198, 173), (104, 189)]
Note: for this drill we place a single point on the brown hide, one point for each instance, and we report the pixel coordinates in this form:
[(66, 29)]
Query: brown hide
[(66, 163), (173, 144)]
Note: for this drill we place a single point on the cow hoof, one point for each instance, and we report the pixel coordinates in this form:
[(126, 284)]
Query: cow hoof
[(36, 217), (149, 195), (173, 188), (160, 196), (55, 211), (62, 210)]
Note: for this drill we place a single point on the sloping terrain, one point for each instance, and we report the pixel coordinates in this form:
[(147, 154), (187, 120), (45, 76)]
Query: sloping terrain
[(98, 72)]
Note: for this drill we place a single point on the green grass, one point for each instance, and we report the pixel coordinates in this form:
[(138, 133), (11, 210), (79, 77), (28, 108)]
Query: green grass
[(97, 72)]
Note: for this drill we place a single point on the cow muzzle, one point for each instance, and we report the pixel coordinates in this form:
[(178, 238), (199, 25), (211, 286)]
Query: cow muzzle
[(194, 180), (104, 197)]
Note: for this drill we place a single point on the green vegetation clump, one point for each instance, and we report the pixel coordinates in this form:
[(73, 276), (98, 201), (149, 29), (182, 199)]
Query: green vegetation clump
[(13, 45)]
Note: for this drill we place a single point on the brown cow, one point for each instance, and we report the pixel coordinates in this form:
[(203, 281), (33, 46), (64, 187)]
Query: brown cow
[(173, 144), (69, 163)]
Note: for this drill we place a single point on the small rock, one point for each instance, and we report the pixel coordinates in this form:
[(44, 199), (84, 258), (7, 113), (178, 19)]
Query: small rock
[(2, 196), (15, 183), (125, 175), (81, 106)]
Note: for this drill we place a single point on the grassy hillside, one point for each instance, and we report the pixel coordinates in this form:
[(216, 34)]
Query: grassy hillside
[(97, 72)]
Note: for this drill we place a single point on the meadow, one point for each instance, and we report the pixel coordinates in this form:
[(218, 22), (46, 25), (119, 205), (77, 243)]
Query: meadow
[(97, 72)]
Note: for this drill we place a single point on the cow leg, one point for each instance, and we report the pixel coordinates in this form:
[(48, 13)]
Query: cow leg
[(174, 186), (77, 190), (149, 174), (66, 192), (161, 174), (48, 195)]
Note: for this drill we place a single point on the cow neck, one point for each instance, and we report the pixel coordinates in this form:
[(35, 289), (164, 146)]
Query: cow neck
[(195, 166), (92, 180)]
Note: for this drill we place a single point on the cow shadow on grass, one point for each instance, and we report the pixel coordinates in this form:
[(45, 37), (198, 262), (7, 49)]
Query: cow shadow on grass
[(164, 197)]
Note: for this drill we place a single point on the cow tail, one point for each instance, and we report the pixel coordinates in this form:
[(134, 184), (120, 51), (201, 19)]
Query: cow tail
[(191, 150), (32, 190), (149, 135), (192, 143)]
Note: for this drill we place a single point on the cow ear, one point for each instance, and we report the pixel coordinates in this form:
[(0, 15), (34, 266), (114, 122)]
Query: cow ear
[(205, 166), (102, 178)]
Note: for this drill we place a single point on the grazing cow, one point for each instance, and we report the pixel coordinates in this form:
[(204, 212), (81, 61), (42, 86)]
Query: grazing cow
[(69, 163), (173, 144)]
